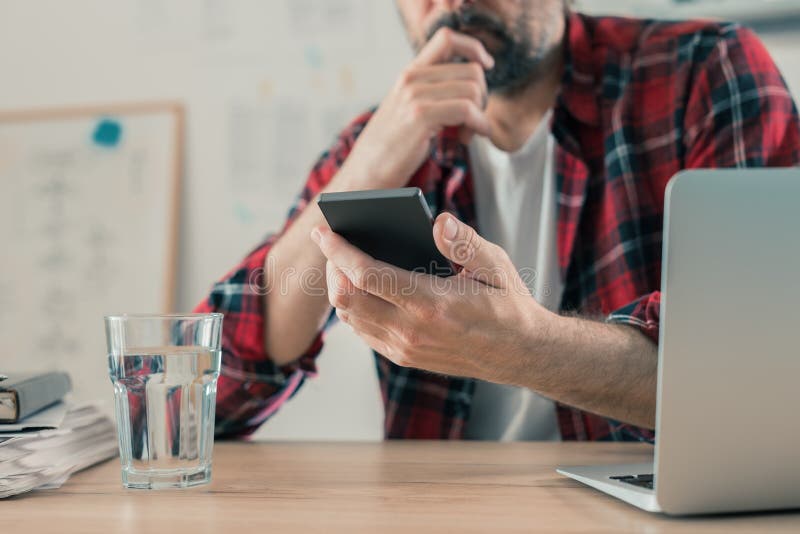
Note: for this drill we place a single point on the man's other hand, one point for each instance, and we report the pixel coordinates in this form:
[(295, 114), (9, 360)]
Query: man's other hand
[(433, 92)]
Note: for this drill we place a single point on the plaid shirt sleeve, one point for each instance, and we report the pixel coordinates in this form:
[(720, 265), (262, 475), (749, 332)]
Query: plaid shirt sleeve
[(251, 386), (739, 113)]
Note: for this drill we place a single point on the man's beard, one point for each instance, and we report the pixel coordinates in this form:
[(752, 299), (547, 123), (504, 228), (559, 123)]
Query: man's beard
[(516, 60)]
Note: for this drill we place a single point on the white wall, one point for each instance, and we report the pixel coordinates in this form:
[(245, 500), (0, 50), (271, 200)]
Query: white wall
[(266, 84), (246, 70), (785, 47)]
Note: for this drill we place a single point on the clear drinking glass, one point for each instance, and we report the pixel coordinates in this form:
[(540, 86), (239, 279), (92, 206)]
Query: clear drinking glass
[(164, 369)]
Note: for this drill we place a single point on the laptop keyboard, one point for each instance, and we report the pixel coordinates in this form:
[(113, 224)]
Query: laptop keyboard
[(643, 481)]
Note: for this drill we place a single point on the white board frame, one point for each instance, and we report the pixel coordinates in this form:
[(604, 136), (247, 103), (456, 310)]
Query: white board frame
[(176, 109), (88, 369)]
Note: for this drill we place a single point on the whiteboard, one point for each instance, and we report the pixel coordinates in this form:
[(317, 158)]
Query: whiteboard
[(88, 207)]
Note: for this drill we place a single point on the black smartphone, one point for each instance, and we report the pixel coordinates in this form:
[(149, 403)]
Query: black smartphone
[(391, 225)]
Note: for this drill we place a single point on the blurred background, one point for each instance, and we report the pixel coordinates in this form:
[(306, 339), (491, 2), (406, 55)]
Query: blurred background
[(264, 86)]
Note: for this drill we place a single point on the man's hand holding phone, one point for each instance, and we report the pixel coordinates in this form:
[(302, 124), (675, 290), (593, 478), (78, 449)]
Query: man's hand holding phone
[(481, 323)]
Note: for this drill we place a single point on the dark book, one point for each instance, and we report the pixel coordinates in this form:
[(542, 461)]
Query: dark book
[(23, 395)]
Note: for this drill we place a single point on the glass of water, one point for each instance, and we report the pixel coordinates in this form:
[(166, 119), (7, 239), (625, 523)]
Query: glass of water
[(164, 369)]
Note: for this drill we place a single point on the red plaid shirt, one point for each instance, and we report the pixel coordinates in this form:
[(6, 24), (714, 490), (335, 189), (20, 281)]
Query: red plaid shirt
[(640, 101)]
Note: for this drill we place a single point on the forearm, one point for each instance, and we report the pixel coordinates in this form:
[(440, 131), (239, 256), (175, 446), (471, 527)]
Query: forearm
[(610, 370), (296, 303)]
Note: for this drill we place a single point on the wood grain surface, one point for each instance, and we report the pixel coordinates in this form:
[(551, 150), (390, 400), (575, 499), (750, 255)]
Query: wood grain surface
[(369, 487)]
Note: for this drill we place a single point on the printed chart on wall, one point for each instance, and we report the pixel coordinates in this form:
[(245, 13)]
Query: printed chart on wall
[(88, 222)]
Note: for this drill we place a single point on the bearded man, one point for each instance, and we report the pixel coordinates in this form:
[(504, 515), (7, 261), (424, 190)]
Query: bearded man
[(544, 140)]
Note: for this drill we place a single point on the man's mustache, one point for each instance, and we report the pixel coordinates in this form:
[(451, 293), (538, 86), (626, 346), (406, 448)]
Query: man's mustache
[(468, 20)]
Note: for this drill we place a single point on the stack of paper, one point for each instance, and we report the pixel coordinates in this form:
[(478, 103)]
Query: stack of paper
[(44, 459)]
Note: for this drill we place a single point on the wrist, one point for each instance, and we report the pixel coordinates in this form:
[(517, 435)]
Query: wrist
[(542, 341), (362, 171), (351, 177), (343, 180)]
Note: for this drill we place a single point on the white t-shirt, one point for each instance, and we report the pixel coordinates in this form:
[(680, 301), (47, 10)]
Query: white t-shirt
[(515, 195)]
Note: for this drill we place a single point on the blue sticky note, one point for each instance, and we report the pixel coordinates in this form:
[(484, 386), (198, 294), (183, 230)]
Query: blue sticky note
[(313, 57), (242, 213), (107, 133)]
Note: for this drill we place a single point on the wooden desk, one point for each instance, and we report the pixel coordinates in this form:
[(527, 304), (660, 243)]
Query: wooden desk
[(390, 487)]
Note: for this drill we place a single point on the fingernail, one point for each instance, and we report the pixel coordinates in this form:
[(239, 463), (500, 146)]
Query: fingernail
[(450, 228), (488, 59), (316, 236)]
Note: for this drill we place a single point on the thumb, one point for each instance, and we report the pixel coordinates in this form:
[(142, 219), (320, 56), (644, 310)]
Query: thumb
[(481, 259)]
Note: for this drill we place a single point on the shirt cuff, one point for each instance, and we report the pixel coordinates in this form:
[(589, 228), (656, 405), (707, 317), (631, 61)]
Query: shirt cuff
[(643, 313)]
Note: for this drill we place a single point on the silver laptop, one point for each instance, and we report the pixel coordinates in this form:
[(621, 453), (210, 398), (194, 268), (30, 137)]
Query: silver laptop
[(728, 415)]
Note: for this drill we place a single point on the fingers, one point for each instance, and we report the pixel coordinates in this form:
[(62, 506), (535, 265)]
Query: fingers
[(444, 94), (481, 259), (457, 112), (353, 302), (447, 45), (452, 90), (447, 73), (448, 95), (386, 281)]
